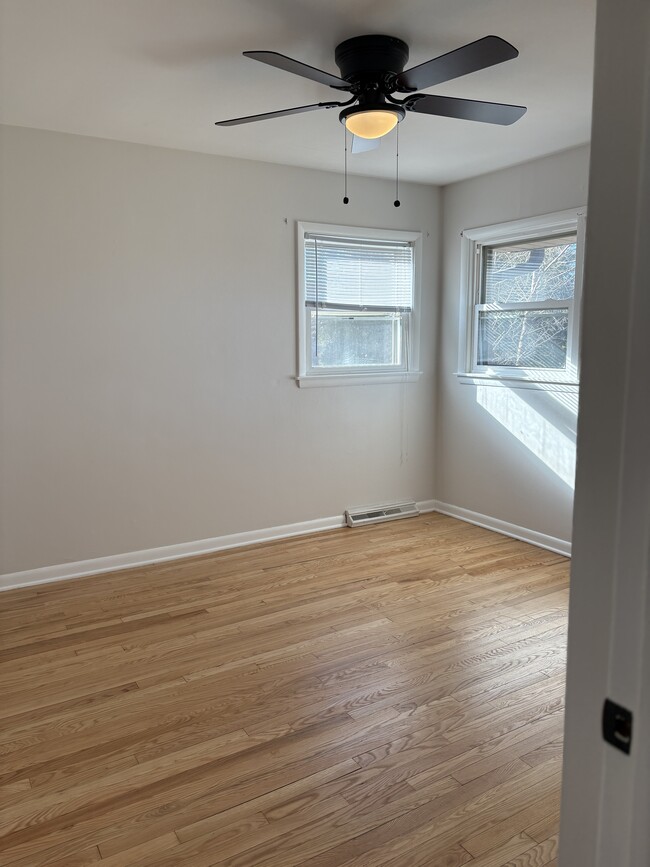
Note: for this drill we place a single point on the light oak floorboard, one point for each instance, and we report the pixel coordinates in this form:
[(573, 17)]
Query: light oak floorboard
[(390, 696)]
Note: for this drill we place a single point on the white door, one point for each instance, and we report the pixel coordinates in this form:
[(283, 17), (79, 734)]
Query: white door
[(606, 793)]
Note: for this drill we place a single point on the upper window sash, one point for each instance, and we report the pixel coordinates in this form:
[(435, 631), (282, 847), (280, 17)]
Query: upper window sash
[(347, 273), (528, 279)]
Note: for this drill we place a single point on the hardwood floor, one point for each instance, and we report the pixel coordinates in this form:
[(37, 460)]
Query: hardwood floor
[(391, 695)]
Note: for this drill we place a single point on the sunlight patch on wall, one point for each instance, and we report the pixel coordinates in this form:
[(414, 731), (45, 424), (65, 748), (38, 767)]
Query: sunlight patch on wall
[(532, 428), (567, 399)]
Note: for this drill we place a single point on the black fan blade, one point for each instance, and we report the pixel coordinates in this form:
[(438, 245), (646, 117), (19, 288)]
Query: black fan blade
[(468, 109), (290, 65), (470, 58), (269, 114)]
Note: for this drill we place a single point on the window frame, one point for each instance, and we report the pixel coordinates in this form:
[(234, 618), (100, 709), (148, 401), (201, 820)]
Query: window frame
[(530, 229), (307, 375)]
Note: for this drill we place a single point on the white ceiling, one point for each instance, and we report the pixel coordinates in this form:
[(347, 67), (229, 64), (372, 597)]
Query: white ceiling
[(161, 72)]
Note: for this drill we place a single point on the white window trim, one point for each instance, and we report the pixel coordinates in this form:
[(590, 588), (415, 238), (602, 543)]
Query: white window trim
[(572, 220), (307, 377)]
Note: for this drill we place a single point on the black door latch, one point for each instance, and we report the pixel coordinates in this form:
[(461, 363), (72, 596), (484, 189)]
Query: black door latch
[(617, 726)]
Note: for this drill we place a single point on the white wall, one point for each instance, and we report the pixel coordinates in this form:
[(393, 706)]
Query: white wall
[(506, 453), (148, 340)]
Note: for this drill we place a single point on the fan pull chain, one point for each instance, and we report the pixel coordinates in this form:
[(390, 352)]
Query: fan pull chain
[(397, 202), (345, 170)]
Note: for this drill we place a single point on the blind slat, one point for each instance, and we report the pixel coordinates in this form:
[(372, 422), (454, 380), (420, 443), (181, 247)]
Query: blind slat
[(358, 274)]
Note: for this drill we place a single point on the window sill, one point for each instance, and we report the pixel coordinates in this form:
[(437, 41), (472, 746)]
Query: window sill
[(517, 382), (357, 379)]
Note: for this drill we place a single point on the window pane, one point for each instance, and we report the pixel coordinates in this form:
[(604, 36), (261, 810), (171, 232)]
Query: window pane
[(523, 338), (540, 270), (344, 340)]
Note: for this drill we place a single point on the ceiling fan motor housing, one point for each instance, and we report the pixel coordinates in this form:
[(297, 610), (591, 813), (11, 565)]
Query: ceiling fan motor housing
[(369, 58)]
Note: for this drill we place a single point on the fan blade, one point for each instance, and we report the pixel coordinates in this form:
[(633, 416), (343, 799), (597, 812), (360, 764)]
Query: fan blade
[(251, 118), (361, 145), (469, 58), (468, 109), (281, 61)]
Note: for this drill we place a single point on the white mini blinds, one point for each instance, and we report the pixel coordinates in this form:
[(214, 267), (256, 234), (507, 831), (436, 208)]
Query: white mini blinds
[(358, 274)]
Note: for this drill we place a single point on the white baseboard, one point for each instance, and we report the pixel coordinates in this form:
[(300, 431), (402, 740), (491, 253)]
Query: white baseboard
[(552, 543), (115, 562)]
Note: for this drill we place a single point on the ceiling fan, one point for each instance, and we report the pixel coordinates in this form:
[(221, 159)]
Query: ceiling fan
[(372, 71)]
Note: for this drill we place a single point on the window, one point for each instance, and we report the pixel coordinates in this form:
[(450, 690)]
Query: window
[(523, 283), (357, 304)]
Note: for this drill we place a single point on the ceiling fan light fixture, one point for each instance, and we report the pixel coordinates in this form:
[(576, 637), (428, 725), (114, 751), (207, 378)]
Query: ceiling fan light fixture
[(371, 122)]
